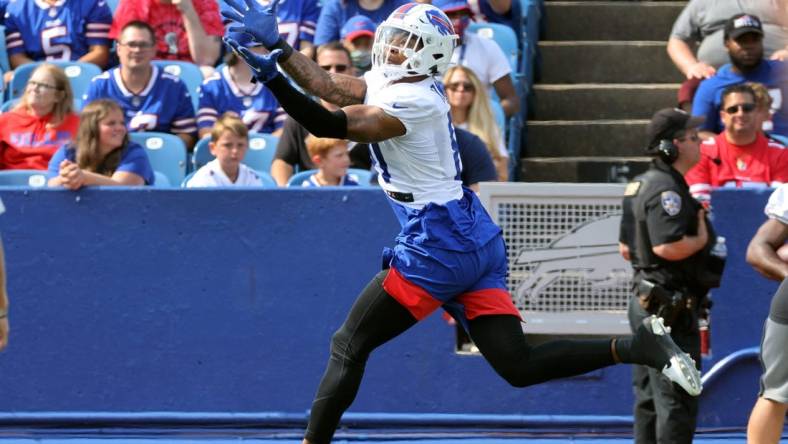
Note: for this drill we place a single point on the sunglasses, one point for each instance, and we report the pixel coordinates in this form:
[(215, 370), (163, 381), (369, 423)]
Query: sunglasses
[(746, 107), (32, 84), (455, 86), (337, 68)]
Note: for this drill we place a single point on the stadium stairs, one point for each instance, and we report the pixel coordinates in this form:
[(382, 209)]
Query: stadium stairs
[(604, 71)]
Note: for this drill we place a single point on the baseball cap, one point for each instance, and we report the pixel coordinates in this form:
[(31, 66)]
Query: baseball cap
[(357, 26), (666, 122), (741, 24), (451, 5)]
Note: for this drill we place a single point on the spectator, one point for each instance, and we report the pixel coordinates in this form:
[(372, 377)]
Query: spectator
[(297, 20), (101, 154), (765, 254), (40, 123), (763, 106), (151, 99), (741, 156), (57, 30), (332, 160), (477, 165), (358, 34), (470, 109), (231, 89), (229, 142), (744, 41), (481, 55), (335, 13), (291, 151), (702, 23), (494, 11), (188, 30)]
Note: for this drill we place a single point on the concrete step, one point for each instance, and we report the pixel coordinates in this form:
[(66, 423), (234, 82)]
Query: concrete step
[(601, 101), (606, 62), (610, 20), (593, 138), (582, 169)]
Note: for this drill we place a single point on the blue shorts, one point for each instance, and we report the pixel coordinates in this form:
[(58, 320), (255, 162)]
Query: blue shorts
[(453, 256)]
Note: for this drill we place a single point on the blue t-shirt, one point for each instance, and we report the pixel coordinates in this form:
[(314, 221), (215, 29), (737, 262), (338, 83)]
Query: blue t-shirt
[(336, 12), (708, 99), (133, 159), (491, 16), (477, 164), (163, 106), (65, 31), (258, 108)]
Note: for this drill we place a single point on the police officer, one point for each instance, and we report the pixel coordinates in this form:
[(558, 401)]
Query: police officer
[(666, 236)]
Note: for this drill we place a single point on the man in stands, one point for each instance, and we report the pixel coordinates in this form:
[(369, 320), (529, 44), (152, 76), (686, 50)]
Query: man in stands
[(740, 156), (57, 30), (482, 55), (744, 41), (152, 99), (188, 30)]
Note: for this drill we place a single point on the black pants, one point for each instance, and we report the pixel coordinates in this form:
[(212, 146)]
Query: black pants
[(376, 317), (664, 412)]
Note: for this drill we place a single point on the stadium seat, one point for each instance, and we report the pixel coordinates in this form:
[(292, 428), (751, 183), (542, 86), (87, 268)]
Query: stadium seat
[(113, 5), (160, 180), (503, 35), (167, 153), (361, 176), (23, 178), (500, 117), (188, 72), (267, 179), (79, 75), (7, 105), (259, 156)]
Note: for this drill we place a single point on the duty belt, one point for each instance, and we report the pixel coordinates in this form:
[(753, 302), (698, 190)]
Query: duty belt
[(402, 197)]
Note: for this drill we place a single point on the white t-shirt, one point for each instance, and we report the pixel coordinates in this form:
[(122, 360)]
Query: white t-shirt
[(777, 207), (484, 57), (212, 175), (425, 161)]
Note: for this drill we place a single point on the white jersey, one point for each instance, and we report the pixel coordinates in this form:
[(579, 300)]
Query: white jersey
[(777, 207), (423, 165), (212, 175)]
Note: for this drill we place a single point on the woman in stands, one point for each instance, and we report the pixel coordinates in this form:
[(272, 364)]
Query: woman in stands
[(40, 123), (470, 110), (102, 153)]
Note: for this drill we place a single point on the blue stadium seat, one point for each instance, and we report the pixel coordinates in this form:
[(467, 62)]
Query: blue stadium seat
[(8, 104), (167, 153), (4, 64), (113, 5), (160, 181), (23, 178), (79, 75), (503, 35), (188, 72), (500, 116), (267, 179), (361, 176), (259, 156)]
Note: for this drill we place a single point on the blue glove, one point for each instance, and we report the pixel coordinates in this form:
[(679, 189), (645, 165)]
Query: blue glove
[(263, 66), (255, 20)]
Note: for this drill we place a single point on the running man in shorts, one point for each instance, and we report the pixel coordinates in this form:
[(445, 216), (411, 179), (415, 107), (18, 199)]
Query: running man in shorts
[(449, 253), (765, 254)]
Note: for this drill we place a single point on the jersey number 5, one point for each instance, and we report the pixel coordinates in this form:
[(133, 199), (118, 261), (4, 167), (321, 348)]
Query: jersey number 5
[(52, 50)]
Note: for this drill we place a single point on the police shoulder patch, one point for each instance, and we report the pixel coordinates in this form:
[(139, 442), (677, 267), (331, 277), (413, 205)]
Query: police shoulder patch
[(671, 202), (632, 189)]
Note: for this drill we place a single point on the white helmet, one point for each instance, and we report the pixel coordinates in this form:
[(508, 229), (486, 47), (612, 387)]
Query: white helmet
[(422, 34)]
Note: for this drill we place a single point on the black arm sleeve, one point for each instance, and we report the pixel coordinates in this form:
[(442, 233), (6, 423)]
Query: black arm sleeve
[(316, 119)]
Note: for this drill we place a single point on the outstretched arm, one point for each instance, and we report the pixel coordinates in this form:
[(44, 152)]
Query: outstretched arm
[(260, 22), (360, 123)]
